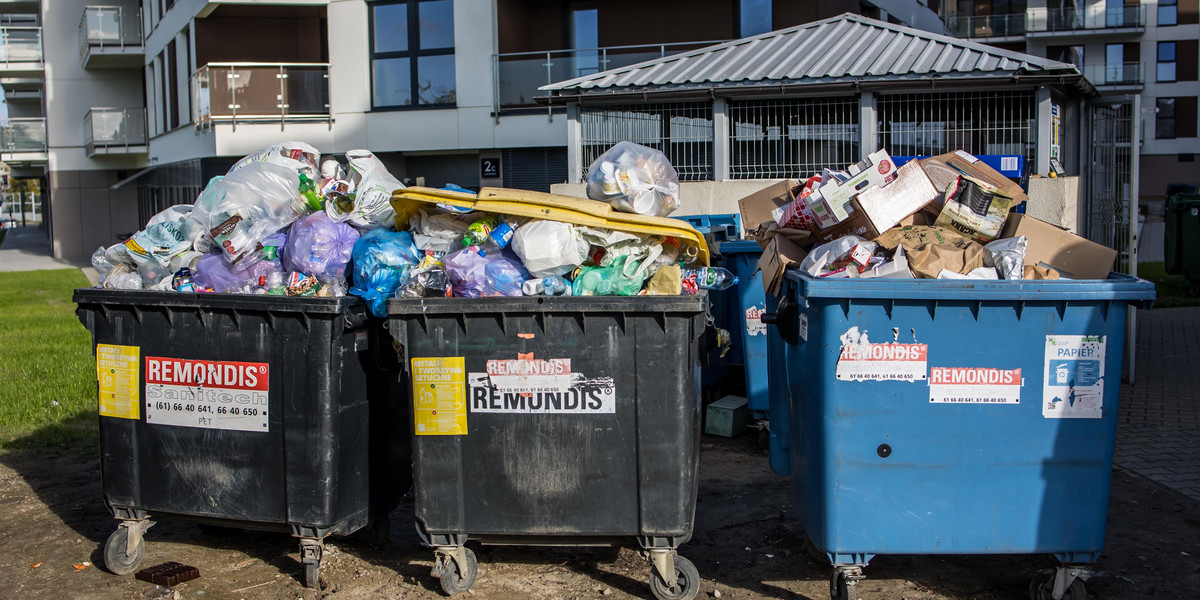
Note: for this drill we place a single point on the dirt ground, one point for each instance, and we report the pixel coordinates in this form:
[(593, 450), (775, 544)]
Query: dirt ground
[(747, 545)]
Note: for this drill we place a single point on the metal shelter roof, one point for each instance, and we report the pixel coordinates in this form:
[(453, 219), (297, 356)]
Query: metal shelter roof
[(844, 51)]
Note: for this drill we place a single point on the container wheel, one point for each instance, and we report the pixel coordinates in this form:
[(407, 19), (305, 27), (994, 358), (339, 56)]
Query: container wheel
[(312, 574), (116, 559), (460, 578), (687, 581), (1042, 587), (840, 588)]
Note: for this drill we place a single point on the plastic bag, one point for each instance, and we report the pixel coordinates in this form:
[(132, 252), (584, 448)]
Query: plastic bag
[(166, 235), (436, 232), (382, 260), (636, 179), (240, 210), (295, 155), (318, 246), (504, 275), (1007, 256), (466, 270), (215, 273), (644, 252), (550, 248), (123, 277), (373, 187), (607, 281), (819, 259)]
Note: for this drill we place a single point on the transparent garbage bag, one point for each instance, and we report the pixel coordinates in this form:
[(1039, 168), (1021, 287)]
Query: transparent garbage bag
[(635, 179), (371, 204), (241, 209), (318, 246)]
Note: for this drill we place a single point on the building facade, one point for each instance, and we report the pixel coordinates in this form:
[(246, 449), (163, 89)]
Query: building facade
[(126, 108)]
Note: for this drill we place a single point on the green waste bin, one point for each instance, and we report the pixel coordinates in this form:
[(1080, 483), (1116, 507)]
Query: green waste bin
[(1182, 251)]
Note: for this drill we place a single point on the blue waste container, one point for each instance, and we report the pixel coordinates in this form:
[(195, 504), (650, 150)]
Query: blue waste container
[(953, 417), (716, 229), (749, 333)]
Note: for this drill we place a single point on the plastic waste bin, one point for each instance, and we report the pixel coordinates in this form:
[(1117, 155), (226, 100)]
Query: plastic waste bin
[(1182, 243), (258, 412), (954, 417), (717, 229), (555, 421), (741, 257)]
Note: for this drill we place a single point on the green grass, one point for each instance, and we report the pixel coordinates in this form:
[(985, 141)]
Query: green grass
[(1173, 290), (47, 373)]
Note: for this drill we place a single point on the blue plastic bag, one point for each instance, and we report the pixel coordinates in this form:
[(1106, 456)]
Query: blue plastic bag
[(382, 260), (474, 275)]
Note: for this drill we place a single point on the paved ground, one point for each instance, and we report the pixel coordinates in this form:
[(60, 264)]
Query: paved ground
[(28, 249)]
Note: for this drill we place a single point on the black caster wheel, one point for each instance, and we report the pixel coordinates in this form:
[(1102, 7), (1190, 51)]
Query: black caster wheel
[(840, 587), (687, 582), (116, 558), (312, 574), (457, 578), (1042, 587)]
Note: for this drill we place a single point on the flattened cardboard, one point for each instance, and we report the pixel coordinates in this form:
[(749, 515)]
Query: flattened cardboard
[(831, 202), (943, 168), (756, 208), (1072, 256), (886, 205), (776, 257)]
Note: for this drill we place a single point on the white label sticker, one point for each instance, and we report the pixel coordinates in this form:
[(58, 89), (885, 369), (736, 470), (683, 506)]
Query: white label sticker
[(882, 362), (1008, 163), (968, 385), (966, 156), (529, 385), (1074, 375), (804, 326), (754, 324), (207, 394)]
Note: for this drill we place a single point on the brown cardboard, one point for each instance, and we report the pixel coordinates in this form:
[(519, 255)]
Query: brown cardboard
[(858, 224), (1072, 256), (776, 257), (756, 208), (887, 205), (800, 237), (942, 169), (830, 203)]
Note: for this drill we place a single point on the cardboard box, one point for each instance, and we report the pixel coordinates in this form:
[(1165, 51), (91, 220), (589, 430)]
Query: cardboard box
[(885, 206), (858, 224), (756, 208), (1072, 256), (727, 417), (776, 257), (943, 168), (831, 203)]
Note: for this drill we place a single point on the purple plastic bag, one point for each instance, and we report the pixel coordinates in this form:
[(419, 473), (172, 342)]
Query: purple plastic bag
[(504, 275), (318, 246), (466, 269), (215, 273)]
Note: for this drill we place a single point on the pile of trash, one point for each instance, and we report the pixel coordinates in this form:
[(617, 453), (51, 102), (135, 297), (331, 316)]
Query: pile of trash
[(284, 222), (950, 216)]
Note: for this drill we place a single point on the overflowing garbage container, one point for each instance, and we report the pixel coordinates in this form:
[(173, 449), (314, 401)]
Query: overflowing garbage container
[(250, 411)]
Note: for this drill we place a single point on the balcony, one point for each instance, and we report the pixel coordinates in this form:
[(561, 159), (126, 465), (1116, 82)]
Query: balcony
[(517, 76), (1123, 77), (110, 37), (115, 131), (260, 93), (20, 51), (1069, 22), (988, 27), (23, 140)]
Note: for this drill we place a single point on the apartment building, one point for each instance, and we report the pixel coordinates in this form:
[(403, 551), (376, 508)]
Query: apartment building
[(128, 107), (1124, 47)]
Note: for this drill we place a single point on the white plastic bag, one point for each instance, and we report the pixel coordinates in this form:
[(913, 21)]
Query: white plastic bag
[(296, 155), (373, 187), (437, 232), (635, 179), (167, 234), (549, 248), (240, 210), (817, 260)]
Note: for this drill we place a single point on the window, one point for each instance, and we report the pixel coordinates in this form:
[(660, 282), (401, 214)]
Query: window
[(412, 53), (1166, 61), (585, 38), (1168, 12), (1164, 119), (754, 17)]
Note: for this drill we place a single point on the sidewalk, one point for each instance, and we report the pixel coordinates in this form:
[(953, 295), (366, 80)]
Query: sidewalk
[(28, 249), (1158, 429)]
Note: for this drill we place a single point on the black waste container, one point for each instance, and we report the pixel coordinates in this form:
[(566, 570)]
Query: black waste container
[(259, 412), (1182, 240), (554, 421)]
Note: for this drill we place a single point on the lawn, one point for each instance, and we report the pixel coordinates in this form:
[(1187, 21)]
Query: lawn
[(1172, 289), (48, 395)]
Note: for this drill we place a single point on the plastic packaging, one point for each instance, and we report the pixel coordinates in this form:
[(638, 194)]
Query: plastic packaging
[(465, 268), (251, 203), (183, 281), (491, 234), (546, 286), (710, 278), (504, 275), (819, 259), (318, 246), (123, 277), (1007, 256), (437, 232), (382, 260), (611, 280), (636, 179), (550, 248), (373, 187), (166, 235), (297, 156), (215, 273)]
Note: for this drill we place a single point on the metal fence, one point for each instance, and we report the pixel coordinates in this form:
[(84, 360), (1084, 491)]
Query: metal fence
[(682, 130), (776, 139), (997, 122), (1110, 179)]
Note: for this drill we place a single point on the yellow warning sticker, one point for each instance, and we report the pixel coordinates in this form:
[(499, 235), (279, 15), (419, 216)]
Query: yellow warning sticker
[(117, 373), (439, 396)]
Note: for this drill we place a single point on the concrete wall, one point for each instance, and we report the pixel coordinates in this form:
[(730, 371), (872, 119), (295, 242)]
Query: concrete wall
[(1056, 201), (87, 214)]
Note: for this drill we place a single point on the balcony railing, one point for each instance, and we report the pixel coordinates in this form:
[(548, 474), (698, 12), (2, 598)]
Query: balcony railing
[(20, 44), (110, 27), (987, 26), (260, 92), (517, 76), (114, 128), (23, 135), (1129, 73), (1071, 19)]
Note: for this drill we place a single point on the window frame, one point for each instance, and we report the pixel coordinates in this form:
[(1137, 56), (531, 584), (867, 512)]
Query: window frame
[(1159, 62), (413, 54), (1159, 118)]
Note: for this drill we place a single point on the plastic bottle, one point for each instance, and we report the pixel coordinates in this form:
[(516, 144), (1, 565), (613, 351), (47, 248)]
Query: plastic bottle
[(273, 283), (711, 278), (308, 189), (547, 286), (490, 234)]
